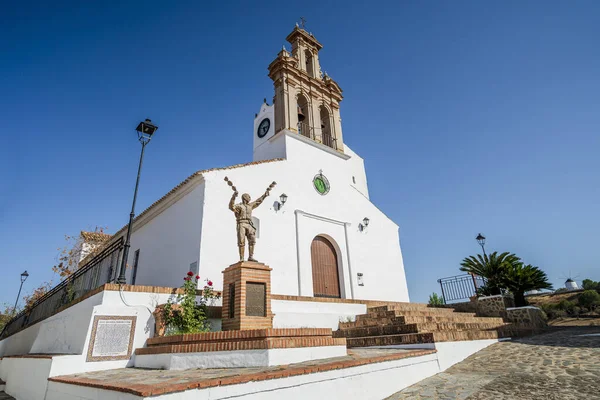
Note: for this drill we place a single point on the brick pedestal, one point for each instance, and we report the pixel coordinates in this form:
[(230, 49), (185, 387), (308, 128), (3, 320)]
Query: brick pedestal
[(247, 297)]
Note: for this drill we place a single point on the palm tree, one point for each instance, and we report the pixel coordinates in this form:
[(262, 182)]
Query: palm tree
[(519, 278), (491, 267)]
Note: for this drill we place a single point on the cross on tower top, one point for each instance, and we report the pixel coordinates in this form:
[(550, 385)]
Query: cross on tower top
[(302, 22)]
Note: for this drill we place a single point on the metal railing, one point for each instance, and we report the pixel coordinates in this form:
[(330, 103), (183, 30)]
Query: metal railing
[(308, 131), (460, 287), (99, 270)]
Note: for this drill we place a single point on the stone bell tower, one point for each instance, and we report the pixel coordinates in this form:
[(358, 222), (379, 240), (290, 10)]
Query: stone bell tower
[(306, 101)]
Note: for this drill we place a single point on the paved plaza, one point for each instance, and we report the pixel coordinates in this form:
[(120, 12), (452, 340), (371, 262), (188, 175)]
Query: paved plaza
[(561, 365)]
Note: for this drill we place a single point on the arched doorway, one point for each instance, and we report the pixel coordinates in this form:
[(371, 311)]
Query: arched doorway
[(326, 280)]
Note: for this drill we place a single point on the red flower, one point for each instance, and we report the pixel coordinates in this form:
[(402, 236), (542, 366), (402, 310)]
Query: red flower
[(209, 283), (186, 279), (197, 277), (190, 273)]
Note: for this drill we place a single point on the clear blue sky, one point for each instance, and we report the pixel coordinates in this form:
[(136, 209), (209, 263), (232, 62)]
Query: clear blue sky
[(472, 116)]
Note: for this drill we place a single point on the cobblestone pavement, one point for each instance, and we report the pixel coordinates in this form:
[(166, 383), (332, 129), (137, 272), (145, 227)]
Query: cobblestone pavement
[(560, 365)]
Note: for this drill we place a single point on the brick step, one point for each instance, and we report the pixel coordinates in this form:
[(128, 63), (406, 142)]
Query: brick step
[(415, 328), (420, 313), (400, 320), (409, 307), (420, 338), (377, 330), (261, 344)]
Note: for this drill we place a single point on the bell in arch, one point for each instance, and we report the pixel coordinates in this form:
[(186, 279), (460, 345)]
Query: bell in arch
[(301, 116)]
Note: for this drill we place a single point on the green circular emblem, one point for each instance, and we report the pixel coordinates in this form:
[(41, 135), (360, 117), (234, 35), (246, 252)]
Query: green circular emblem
[(321, 184)]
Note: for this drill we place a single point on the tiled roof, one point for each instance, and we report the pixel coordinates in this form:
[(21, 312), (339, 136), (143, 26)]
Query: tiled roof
[(188, 180), (95, 236)]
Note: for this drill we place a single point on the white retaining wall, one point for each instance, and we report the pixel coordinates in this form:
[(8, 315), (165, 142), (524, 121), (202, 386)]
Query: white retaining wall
[(368, 382), (312, 314)]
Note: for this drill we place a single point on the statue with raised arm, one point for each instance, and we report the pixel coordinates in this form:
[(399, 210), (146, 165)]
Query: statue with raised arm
[(243, 217)]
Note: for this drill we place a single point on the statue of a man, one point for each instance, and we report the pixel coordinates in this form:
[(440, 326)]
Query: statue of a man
[(243, 217)]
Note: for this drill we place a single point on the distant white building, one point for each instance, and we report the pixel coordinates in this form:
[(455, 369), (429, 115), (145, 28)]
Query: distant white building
[(570, 284), (327, 240)]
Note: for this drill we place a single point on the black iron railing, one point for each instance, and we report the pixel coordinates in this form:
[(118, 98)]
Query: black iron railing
[(460, 287), (99, 270), (308, 131)]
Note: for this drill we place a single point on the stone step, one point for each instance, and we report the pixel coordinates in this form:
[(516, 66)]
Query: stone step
[(400, 320), (409, 307), (415, 328), (377, 330), (421, 338), (424, 313)]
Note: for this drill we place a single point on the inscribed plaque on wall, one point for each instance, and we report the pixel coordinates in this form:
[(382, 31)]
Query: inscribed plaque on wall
[(256, 294), (112, 338)]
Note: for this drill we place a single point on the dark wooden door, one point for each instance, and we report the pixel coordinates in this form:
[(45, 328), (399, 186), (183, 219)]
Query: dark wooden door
[(326, 281)]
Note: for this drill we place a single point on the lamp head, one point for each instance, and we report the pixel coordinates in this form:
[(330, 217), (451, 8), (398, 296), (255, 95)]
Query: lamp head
[(283, 198), (24, 276), (146, 129), (480, 239)]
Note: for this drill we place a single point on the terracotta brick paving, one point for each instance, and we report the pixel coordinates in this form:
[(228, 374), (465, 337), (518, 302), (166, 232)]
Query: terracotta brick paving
[(143, 382), (559, 365)]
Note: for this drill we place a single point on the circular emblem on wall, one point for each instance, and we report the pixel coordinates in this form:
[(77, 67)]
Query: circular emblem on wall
[(321, 184), (263, 128)]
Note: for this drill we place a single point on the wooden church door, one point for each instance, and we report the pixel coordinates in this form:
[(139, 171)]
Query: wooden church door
[(326, 282)]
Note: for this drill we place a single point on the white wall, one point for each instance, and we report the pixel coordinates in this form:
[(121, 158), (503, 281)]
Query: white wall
[(374, 252), (169, 242), (312, 314), (368, 382)]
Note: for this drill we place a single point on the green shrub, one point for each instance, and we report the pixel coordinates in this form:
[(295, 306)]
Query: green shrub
[(589, 298), (589, 284), (566, 305), (436, 300)]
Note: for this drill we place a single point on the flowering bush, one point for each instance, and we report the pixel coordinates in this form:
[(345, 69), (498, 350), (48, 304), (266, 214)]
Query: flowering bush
[(187, 314)]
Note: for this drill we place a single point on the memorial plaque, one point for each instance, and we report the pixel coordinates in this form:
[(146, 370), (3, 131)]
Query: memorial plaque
[(112, 338), (256, 294), (231, 300)]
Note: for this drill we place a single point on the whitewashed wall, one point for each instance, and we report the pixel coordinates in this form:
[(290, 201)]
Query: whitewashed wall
[(170, 241), (374, 252)]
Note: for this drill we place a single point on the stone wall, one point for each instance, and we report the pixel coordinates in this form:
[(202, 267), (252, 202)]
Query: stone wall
[(494, 306), (527, 316)]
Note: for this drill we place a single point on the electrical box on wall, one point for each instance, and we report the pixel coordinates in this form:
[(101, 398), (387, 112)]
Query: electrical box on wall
[(360, 280)]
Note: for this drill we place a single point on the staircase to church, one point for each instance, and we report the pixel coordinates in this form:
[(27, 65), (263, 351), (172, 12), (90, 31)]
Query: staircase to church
[(413, 323)]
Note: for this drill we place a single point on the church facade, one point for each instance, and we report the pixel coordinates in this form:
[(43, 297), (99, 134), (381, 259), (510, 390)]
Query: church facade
[(317, 230)]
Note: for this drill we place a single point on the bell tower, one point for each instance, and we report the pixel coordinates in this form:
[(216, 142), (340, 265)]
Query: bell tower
[(306, 101)]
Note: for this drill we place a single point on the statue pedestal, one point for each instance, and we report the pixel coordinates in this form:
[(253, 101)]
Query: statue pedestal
[(247, 297)]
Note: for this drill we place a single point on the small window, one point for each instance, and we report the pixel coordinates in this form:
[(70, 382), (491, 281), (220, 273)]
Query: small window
[(136, 259), (256, 223), (354, 180), (194, 268)]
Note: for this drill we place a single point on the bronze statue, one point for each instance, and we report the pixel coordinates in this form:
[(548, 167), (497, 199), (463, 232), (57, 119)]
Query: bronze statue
[(243, 217)]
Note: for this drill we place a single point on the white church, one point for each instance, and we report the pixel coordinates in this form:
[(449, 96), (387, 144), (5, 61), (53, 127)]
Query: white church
[(318, 230), (336, 281)]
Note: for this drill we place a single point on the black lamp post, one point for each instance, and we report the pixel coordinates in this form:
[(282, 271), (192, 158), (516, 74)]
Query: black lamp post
[(145, 130), (481, 240), (24, 277)]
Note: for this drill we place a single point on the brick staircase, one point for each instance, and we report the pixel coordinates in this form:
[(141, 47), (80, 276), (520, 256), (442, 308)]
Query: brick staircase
[(413, 323)]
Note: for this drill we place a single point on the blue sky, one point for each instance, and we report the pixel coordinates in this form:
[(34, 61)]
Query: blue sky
[(471, 117)]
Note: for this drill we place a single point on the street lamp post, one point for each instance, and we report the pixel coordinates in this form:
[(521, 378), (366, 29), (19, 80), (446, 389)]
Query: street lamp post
[(24, 277), (481, 240), (145, 130)]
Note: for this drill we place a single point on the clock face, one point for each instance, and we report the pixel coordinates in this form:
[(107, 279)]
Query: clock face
[(321, 184), (263, 128)]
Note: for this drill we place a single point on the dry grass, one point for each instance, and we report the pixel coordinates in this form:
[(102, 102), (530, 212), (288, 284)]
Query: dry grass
[(575, 322)]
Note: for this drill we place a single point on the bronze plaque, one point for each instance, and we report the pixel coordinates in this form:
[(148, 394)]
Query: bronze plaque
[(256, 295)]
